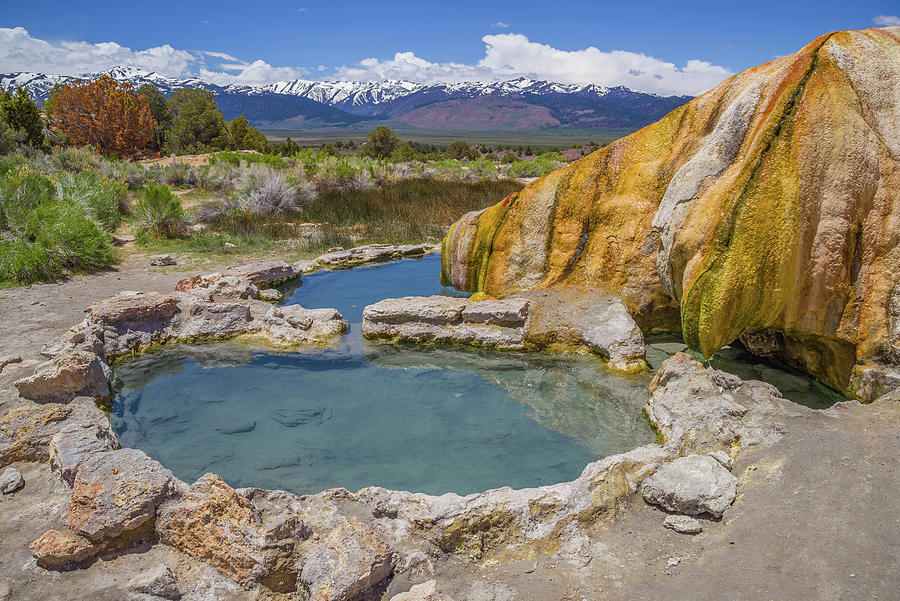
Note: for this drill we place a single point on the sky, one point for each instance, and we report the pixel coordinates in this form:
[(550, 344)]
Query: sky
[(662, 47)]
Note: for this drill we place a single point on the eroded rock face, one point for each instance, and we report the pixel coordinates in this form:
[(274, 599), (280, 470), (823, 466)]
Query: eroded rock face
[(77, 373), (692, 485), (215, 524), (61, 548), (718, 219), (117, 492), (26, 432), (76, 443), (353, 559)]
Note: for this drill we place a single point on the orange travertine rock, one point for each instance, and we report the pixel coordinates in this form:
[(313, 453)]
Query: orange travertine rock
[(768, 208)]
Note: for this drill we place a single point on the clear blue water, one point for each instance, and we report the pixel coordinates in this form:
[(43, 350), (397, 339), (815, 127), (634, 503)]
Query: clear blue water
[(420, 418), (423, 418)]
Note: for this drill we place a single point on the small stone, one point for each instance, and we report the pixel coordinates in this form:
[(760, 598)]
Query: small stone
[(163, 260), (158, 581), (683, 524), (427, 591), (692, 485), (270, 295), (673, 561), (57, 548), (11, 480), (229, 245), (722, 457)]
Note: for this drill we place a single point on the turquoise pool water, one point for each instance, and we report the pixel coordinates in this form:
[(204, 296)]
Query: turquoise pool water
[(420, 418)]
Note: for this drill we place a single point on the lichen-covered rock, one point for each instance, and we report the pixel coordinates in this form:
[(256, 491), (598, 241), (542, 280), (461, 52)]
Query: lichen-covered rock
[(76, 443), (117, 492), (353, 559), (767, 203), (26, 432), (77, 373), (370, 253), (215, 524), (427, 591), (61, 548), (692, 485)]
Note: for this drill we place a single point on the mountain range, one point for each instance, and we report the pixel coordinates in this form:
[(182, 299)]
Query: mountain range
[(517, 104)]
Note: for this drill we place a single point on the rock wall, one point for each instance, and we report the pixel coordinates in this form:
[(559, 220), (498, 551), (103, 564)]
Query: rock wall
[(770, 203)]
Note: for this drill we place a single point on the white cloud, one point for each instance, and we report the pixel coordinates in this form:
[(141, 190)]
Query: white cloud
[(506, 56), (19, 51), (511, 55), (886, 20), (500, 24)]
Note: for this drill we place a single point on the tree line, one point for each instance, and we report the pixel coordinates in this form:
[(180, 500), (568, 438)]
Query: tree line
[(118, 120)]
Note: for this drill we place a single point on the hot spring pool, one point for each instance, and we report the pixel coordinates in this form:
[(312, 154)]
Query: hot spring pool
[(419, 418)]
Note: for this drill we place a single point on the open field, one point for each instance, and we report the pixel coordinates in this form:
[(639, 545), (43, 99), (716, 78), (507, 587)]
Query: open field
[(544, 139)]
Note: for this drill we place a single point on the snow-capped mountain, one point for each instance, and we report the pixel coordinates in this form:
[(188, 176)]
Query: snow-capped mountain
[(306, 103)]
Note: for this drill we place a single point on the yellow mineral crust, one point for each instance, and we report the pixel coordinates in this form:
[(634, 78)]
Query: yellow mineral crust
[(771, 202)]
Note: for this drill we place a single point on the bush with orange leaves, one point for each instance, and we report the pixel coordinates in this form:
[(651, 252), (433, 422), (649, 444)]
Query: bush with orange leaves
[(104, 113)]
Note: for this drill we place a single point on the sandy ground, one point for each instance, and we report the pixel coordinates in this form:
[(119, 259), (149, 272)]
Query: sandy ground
[(816, 517)]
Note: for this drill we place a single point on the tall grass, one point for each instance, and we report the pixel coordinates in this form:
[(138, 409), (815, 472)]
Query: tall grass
[(159, 212)]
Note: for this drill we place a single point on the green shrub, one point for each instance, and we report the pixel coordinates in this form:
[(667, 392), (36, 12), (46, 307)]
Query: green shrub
[(102, 198), (43, 236), (159, 212), (248, 158), (74, 159)]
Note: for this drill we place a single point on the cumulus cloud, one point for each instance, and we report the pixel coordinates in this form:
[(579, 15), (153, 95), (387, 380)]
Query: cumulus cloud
[(19, 51), (511, 55), (886, 20)]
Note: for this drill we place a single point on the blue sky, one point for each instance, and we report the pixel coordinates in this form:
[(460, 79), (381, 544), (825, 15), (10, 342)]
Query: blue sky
[(441, 41)]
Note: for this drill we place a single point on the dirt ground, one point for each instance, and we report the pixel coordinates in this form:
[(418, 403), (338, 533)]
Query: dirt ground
[(817, 517)]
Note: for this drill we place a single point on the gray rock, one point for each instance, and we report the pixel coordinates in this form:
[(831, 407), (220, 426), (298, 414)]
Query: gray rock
[(692, 485), (26, 432), (205, 320), (270, 295), (353, 559), (76, 443), (117, 492), (232, 287), (158, 581), (264, 274), (306, 266), (369, 253), (723, 458), (683, 524), (77, 373), (491, 323), (427, 591), (11, 480), (163, 260)]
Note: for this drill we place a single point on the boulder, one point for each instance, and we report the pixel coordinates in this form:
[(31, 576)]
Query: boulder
[(427, 591), (509, 312), (117, 492), (692, 485), (77, 373), (11, 480), (163, 260), (61, 548), (76, 443), (270, 295), (207, 321), (215, 524), (26, 432), (158, 581), (264, 274), (305, 266), (353, 559), (132, 320), (683, 524), (293, 325), (216, 286)]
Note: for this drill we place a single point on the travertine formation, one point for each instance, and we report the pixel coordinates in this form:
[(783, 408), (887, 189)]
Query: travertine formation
[(766, 209)]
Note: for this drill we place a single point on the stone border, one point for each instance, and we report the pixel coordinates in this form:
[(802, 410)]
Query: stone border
[(287, 542)]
